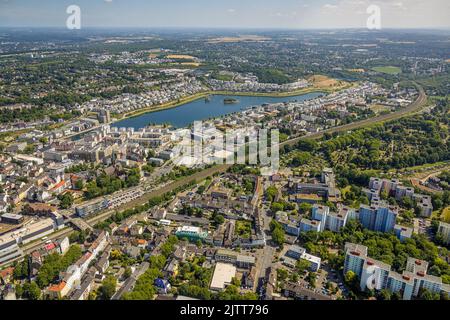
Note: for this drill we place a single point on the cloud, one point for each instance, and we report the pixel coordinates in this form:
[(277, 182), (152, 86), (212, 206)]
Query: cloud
[(231, 10), (329, 6)]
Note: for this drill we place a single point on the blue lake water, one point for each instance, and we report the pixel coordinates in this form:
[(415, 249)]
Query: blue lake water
[(186, 114)]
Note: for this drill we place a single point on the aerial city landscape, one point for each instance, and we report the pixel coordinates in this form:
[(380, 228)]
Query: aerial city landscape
[(132, 163)]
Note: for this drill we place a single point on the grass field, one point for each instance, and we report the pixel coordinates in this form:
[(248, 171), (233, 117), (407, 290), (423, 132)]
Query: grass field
[(377, 108), (445, 216), (388, 70)]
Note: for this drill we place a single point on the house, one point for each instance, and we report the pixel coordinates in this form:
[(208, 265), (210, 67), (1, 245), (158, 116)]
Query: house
[(249, 278), (162, 285), (133, 251), (57, 291), (171, 269), (209, 253), (180, 253), (141, 243), (82, 291), (6, 275), (39, 209), (103, 262), (36, 261), (301, 292), (136, 230), (160, 213)]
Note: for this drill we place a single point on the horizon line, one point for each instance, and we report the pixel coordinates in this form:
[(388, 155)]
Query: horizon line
[(225, 28)]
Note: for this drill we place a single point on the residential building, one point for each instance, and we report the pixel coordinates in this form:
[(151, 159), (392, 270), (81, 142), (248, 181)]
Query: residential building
[(378, 217), (320, 213), (374, 274), (355, 255), (309, 225), (402, 232), (444, 231)]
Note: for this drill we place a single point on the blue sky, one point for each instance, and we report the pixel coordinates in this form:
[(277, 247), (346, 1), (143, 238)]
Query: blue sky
[(296, 14)]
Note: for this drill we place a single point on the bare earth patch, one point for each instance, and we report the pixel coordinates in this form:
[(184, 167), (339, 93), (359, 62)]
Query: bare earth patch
[(320, 81)]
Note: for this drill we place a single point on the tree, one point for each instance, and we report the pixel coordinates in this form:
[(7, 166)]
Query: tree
[(201, 189), (43, 140), (300, 158), (219, 219), (127, 273), (312, 277), (236, 282), (54, 264), (307, 145), (435, 271), (302, 265), (278, 236), (407, 202), (282, 274), (144, 288), (271, 193), (304, 208), (396, 296), (19, 291), (115, 254), (22, 269), (79, 184), (385, 294), (277, 206), (31, 291), (65, 200), (351, 279), (426, 294), (108, 288)]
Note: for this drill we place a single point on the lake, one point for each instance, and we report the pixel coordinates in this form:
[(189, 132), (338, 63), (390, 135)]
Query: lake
[(186, 114)]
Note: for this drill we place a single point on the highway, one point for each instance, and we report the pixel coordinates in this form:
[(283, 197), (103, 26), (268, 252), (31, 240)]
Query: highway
[(410, 109)]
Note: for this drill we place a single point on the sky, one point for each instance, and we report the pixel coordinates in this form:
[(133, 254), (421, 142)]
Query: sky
[(284, 14)]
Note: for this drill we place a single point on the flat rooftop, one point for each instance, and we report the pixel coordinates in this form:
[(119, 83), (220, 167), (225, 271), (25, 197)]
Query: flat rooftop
[(223, 273), (11, 216)]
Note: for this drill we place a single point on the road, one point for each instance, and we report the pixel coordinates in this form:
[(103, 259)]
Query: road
[(30, 247), (412, 108), (161, 191)]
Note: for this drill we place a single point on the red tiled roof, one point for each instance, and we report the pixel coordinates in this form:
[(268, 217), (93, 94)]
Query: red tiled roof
[(6, 272), (50, 246), (57, 287), (59, 185)]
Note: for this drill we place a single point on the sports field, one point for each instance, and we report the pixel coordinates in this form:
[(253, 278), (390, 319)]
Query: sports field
[(387, 69)]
